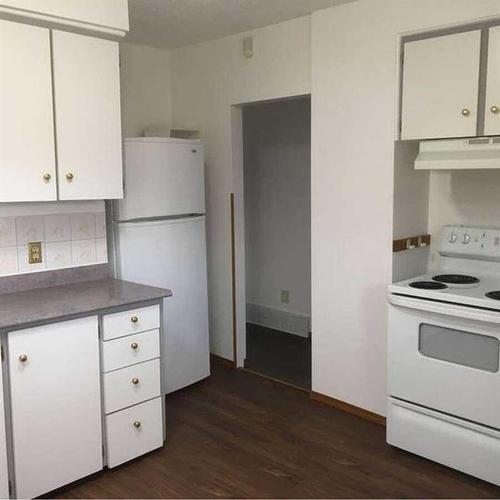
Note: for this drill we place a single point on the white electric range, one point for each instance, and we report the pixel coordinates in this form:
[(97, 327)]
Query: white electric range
[(444, 355)]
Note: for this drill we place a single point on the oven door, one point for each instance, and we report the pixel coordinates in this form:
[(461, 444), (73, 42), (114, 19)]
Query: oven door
[(445, 357)]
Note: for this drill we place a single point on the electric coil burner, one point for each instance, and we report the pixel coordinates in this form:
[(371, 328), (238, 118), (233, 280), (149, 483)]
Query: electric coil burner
[(493, 295), (428, 285), (456, 279)]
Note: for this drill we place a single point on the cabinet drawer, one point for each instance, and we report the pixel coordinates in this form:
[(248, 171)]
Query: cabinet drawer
[(130, 350), (131, 385), (133, 432), (132, 321)]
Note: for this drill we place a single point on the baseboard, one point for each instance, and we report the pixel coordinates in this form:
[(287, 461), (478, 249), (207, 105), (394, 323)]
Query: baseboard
[(278, 319), (222, 361), (348, 408)]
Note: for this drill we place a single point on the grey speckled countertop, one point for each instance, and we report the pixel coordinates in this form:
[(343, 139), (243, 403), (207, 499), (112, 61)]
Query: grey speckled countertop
[(52, 303)]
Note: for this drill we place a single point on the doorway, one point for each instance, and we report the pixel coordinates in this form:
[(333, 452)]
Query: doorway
[(276, 154)]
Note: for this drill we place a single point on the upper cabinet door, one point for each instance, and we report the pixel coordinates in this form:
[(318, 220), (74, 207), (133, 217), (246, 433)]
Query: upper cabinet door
[(492, 112), (4, 477), (27, 156), (440, 86), (88, 125)]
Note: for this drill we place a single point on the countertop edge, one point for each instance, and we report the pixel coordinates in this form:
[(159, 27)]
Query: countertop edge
[(60, 310)]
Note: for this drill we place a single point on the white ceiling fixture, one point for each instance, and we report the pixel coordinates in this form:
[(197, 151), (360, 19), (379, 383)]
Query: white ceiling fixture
[(174, 23)]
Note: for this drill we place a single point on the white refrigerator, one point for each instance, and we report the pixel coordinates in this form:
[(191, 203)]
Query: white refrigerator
[(160, 241)]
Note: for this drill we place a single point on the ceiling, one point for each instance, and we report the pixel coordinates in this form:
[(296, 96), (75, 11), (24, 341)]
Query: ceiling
[(174, 23)]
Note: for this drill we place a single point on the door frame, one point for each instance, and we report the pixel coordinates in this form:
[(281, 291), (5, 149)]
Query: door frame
[(236, 206)]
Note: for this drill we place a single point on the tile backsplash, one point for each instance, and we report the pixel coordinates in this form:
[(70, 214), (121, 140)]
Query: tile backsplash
[(68, 240)]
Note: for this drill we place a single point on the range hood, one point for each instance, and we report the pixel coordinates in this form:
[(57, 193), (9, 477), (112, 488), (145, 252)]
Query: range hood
[(453, 154)]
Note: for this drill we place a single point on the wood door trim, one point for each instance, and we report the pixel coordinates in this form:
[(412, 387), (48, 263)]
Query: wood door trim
[(233, 280), (347, 407)]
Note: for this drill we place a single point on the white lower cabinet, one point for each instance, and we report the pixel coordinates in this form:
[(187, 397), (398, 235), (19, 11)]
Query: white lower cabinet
[(55, 404), (4, 477), (133, 432), (57, 410), (132, 384), (130, 350)]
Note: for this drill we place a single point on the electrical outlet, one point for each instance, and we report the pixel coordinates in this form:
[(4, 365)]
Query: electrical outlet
[(285, 296), (35, 252)]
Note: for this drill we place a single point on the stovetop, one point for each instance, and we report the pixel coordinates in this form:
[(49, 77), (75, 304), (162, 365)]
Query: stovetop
[(467, 271), (471, 294)]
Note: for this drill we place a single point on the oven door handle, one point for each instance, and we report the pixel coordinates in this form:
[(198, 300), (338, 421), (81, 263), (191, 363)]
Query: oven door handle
[(454, 310)]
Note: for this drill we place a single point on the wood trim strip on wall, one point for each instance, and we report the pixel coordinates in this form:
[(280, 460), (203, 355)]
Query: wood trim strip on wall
[(354, 410), (233, 279), (411, 242)]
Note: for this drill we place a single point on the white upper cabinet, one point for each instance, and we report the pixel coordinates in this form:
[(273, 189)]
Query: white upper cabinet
[(106, 16), (4, 478), (440, 86), (55, 405), (73, 82), (27, 152), (492, 102), (88, 126)]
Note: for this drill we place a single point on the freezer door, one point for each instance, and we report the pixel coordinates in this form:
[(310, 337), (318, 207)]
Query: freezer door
[(172, 254), (162, 179)]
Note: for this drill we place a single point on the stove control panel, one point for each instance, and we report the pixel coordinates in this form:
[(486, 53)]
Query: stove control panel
[(467, 242)]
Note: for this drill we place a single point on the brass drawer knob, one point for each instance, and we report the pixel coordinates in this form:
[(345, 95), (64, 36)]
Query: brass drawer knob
[(134, 319), (137, 424), (69, 176), (23, 358), (46, 177), (135, 381), (465, 112), (134, 345), (494, 109)]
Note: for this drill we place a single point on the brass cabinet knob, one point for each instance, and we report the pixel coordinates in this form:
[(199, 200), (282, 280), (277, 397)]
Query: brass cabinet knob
[(134, 345), (135, 381), (494, 109), (137, 424), (46, 177), (23, 358), (134, 319), (69, 176), (465, 112)]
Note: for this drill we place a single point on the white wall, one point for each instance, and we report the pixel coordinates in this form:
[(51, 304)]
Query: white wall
[(411, 208), (354, 74), (207, 79), (463, 197), (277, 165), (354, 69), (145, 86)]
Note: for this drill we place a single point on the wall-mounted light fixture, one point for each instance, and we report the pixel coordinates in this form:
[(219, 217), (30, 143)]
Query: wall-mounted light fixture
[(248, 47)]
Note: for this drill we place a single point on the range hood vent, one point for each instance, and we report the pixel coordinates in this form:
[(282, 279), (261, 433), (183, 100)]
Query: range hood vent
[(459, 154)]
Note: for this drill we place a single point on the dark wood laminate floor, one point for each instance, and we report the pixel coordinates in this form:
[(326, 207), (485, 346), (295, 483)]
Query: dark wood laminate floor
[(279, 355), (240, 435)]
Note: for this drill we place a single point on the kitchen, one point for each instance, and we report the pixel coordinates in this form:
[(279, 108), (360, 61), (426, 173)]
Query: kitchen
[(200, 85)]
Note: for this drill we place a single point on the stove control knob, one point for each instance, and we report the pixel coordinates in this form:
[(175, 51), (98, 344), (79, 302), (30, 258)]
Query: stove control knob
[(452, 237), (466, 239)]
